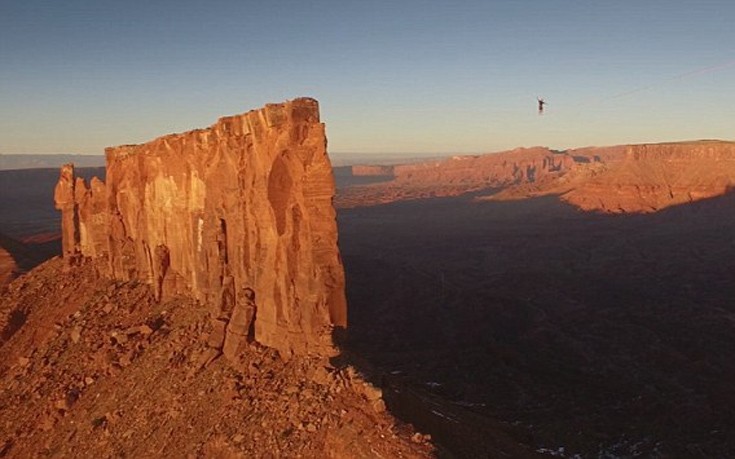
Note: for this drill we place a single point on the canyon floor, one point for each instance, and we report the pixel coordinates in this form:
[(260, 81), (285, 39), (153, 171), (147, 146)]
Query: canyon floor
[(496, 327), (596, 334)]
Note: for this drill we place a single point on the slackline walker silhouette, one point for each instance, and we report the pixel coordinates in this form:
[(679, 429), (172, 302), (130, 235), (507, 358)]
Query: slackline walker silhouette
[(651, 86), (541, 103)]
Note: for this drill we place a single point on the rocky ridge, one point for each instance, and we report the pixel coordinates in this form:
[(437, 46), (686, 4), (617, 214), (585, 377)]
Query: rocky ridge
[(20, 256), (94, 367), (8, 268)]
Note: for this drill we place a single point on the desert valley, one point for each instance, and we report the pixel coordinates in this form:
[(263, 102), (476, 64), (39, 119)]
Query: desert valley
[(526, 303)]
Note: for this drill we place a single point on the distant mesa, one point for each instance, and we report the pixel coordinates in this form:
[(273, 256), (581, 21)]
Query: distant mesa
[(655, 176), (372, 170), (459, 175), (617, 179), (241, 208)]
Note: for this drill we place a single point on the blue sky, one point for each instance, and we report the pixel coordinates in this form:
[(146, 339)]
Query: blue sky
[(391, 76)]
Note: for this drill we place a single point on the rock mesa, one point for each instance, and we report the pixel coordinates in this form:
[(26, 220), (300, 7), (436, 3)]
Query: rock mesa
[(458, 175), (242, 207), (651, 177)]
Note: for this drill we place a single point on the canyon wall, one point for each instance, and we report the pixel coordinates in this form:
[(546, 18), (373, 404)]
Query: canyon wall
[(616, 179), (491, 170), (460, 174), (245, 204), (651, 177)]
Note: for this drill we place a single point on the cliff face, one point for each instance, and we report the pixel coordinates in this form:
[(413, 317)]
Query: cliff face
[(654, 176), (461, 174), (493, 170), (245, 204)]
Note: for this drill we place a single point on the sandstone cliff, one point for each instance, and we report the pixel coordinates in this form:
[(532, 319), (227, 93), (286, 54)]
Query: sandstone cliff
[(461, 174), (492, 170), (651, 177), (245, 204)]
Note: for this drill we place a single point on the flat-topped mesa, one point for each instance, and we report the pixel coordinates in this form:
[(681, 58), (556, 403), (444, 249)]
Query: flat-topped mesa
[(365, 170), (651, 177), (243, 206), (489, 170), (709, 150)]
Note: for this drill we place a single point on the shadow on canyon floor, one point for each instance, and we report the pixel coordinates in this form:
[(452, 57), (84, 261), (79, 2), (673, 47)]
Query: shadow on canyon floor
[(29, 254), (29, 223), (27, 200), (344, 178), (599, 334)]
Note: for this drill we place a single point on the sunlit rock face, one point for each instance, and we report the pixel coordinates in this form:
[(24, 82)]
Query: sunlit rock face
[(458, 175), (651, 177), (246, 203), (492, 170)]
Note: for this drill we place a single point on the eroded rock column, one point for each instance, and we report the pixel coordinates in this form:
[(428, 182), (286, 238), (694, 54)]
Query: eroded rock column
[(64, 200)]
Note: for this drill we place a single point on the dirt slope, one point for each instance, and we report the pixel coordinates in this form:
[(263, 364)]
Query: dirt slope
[(8, 268), (92, 368)]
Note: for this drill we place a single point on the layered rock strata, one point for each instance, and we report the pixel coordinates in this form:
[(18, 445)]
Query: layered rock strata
[(242, 209), (458, 175), (617, 179), (651, 177), (492, 170)]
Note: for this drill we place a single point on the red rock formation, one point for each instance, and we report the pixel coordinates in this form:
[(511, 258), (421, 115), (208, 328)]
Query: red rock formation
[(623, 178), (246, 202), (492, 170), (64, 199), (462, 174), (598, 154), (654, 176), (361, 170), (8, 267)]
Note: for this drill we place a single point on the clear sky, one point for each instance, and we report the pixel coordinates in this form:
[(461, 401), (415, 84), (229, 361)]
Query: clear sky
[(391, 76)]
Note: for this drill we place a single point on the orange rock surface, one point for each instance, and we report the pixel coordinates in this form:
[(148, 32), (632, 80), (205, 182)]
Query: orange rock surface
[(7, 267), (499, 169), (651, 177), (461, 174), (616, 179), (105, 360), (248, 200)]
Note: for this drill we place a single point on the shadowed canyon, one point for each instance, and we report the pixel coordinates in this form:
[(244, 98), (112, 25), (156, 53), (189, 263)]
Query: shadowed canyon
[(525, 303)]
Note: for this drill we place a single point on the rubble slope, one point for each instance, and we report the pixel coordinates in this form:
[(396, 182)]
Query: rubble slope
[(96, 368)]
